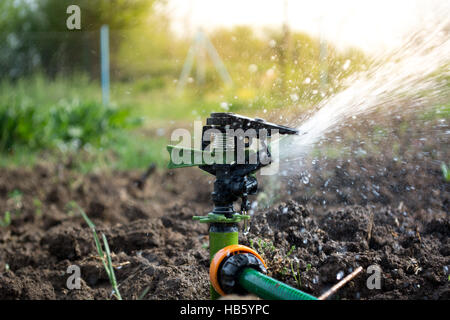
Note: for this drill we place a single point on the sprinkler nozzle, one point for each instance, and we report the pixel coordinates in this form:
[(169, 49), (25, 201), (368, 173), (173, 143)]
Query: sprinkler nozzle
[(228, 152)]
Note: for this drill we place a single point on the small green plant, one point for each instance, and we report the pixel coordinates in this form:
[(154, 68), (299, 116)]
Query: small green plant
[(290, 251), (262, 245), (16, 196), (105, 256), (445, 172), (296, 274), (66, 124), (38, 206), (71, 208), (268, 245), (6, 221)]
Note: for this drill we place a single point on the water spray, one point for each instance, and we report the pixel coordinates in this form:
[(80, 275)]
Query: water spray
[(233, 149)]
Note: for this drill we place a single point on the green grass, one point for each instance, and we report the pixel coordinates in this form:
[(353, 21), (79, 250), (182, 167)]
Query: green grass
[(43, 120), (105, 255), (66, 125)]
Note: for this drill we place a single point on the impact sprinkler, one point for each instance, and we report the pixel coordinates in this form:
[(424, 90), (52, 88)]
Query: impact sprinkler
[(233, 148)]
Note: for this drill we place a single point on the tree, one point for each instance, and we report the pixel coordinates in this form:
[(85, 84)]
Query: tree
[(35, 34)]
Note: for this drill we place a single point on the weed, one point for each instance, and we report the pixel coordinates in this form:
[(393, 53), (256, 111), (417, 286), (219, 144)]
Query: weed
[(263, 246), (105, 256), (445, 172), (71, 208), (143, 293), (290, 251), (296, 274), (6, 221), (16, 197), (38, 205)]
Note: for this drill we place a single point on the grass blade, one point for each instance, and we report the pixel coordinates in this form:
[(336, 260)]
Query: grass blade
[(111, 270), (106, 258)]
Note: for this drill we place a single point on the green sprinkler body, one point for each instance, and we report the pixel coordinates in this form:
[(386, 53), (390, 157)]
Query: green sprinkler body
[(228, 152)]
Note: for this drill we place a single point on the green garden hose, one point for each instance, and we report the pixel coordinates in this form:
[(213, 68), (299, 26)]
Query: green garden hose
[(268, 288)]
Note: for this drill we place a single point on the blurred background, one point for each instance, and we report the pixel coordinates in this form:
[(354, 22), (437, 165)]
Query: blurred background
[(171, 62)]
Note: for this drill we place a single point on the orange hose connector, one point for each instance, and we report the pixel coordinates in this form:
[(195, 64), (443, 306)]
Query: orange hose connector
[(220, 257)]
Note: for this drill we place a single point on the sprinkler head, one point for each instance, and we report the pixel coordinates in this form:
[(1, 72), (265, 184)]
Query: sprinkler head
[(234, 147)]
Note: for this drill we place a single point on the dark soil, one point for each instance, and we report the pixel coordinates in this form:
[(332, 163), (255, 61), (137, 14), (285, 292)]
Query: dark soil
[(148, 230), (158, 250)]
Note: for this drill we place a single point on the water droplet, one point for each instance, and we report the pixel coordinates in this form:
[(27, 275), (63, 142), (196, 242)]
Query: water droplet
[(253, 68), (246, 228), (294, 97), (340, 275)]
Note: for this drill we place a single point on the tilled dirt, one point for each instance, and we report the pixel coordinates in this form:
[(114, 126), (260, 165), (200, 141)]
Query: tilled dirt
[(148, 229), (160, 253), (412, 250)]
